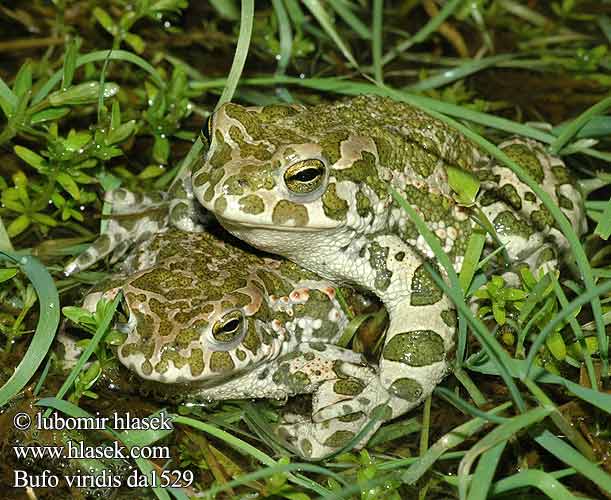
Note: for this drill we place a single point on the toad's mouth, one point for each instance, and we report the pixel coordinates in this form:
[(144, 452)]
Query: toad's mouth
[(232, 224)]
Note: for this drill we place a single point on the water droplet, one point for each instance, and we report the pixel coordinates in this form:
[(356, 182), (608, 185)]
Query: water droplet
[(82, 207), (302, 75), (51, 305), (24, 260), (167, 24)]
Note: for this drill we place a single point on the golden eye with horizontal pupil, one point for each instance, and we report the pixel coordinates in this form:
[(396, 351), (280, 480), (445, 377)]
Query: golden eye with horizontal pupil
[(229, 327), (305, 176)]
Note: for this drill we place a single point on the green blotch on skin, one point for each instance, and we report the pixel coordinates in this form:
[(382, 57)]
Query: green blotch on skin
[(363, 171), (399, 256), (363, 204), (449, 317), (147, 367), (215, 176), (541, 219), (561, 174), (382, 412), (377, 259), (334, 207), (221, 362), (331, 145), (415, 348), (509, 193), (524, 156), (220, 205), (286, 211), (162, 366), (201, 177), (179, 212), (348, 387), (506, 223), (425, 291), (185, 337), (433, 206), (221, 153), (565, 202), (196, 362), (275, 112), (530, 196), (240, 354), (306, 447), (351, 417), (298, 381), (248, 119), (546, 255), (248, 149), (252, 204), (251, 340), (406, 388), (339, 439)]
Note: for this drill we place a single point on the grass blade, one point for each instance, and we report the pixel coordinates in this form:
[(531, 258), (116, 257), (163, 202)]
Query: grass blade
[(547, 483), (246, 449), (376, 40), (484, 472), (570, 456), (453, 438), (48, 320), (597, 109), (100, 55), (317, 10), (239, 57), (146, 467), (500, 434), (93, 343)]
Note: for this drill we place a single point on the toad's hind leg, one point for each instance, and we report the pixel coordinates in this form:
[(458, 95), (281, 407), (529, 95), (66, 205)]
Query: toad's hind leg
[(422, 324), (520, 219), (316, 440), (134, 217)]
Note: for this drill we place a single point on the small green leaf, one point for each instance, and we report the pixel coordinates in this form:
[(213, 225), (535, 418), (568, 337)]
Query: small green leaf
[(78, 315), (151, 172), (555, 344), (105, 20), (69, 185), (83, 93), (69, 63), (23, 80), (76, 140), (161, 149), (115, 116), (115, 338), (49, 114), (513, 294), (135, 42), (122, 132), (498, 311), (44, 219), (18, 226), (31, 158), (7, 274), (576, 351), (603, 228), (464, 184)]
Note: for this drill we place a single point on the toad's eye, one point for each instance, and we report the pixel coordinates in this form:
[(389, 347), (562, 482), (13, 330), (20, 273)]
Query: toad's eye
[(229, 327), (305, 176)]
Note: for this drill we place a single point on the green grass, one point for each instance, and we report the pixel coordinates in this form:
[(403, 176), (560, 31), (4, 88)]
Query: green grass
[(513, 396)]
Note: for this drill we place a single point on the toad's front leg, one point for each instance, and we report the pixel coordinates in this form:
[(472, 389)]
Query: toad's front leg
[(422, 323)]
